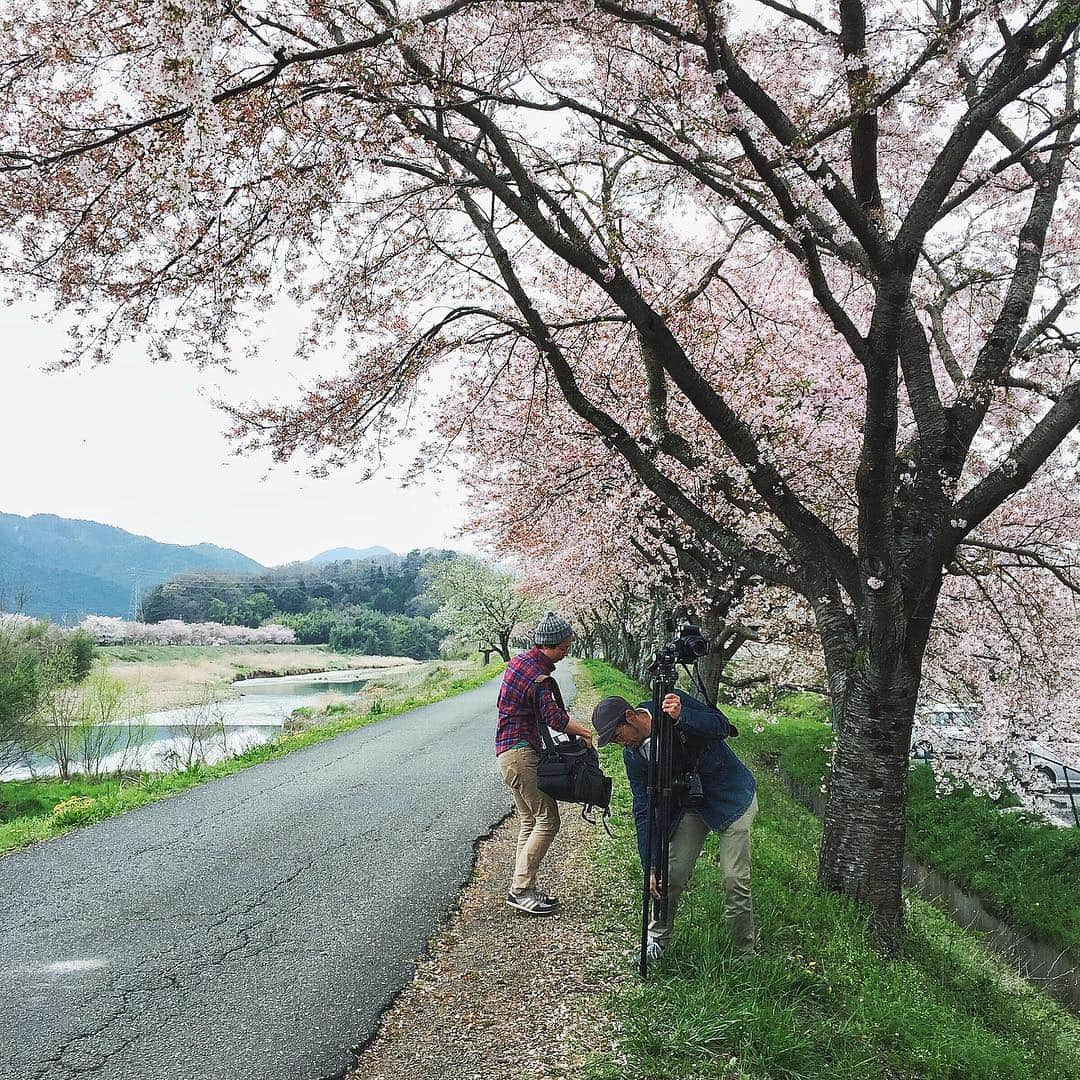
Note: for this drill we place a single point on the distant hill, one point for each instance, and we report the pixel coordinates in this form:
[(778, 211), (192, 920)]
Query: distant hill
[(356, 554), (67, 568)]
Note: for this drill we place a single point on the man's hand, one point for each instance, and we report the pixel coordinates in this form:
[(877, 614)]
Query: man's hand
[(672, 705), (654, 886), (582, 732)]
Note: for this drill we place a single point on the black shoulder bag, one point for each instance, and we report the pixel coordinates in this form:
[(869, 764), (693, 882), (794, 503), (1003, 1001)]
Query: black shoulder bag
[(570, 771)]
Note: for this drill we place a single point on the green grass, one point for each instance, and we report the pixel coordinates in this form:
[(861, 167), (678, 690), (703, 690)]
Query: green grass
[(1024, 870), (819, 1001), (34, 810)]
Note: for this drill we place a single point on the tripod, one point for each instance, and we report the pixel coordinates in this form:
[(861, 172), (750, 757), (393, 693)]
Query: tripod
[(661, 796)]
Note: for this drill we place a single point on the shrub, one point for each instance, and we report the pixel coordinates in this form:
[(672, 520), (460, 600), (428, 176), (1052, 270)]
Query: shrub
[(78, 810)]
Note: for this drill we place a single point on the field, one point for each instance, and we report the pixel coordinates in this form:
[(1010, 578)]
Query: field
[(172, 676)]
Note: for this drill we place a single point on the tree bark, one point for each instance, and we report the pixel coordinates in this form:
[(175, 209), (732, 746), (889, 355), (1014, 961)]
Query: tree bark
[(875, 689), (862, 847)]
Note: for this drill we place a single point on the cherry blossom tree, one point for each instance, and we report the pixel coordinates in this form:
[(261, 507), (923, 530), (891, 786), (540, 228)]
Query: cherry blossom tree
[(108, 630), (478, 603), (594, 543), (808, 269)]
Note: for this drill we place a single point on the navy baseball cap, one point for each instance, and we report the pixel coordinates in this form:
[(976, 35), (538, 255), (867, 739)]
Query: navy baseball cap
[(607, 716)]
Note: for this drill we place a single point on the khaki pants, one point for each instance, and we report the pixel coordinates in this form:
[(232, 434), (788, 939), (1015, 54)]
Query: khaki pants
[(537, 812), (734, 860)]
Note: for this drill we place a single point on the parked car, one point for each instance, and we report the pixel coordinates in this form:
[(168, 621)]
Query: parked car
[(1051, 768), (940, 728)]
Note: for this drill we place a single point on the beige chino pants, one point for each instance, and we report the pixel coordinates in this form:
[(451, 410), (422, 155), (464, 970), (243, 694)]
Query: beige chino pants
[(734, 860), (538, 814)]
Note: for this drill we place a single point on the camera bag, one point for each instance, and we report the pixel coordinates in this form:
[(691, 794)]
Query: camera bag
[(569, 771)]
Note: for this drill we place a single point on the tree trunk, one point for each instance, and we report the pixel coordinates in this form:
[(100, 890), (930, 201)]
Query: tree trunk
[(503, 648), (862, 848)]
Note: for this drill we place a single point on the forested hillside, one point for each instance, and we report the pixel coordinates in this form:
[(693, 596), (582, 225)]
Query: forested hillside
[(375, 607), (63, 569)]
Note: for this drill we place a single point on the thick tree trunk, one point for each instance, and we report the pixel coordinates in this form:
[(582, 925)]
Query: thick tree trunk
[(862, 847)]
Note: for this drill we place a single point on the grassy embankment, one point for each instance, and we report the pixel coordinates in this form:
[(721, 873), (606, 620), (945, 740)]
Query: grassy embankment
[(819, 1001), (33, 810), (1025, 871)]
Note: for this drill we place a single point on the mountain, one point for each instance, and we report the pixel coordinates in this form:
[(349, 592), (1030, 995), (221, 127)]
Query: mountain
[(66, 568), (356, 554)]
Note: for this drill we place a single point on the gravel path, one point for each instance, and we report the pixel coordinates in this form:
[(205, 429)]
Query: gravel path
[(502, 996)]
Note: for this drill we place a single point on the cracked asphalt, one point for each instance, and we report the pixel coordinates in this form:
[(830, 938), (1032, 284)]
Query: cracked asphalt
[(256, 926)]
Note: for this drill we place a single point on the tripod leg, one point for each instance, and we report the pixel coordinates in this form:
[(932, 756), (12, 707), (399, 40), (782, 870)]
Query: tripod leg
[(650, 838)]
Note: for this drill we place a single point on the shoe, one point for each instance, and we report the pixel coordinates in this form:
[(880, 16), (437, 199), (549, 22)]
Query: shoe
[(530, 902), (653, 951)]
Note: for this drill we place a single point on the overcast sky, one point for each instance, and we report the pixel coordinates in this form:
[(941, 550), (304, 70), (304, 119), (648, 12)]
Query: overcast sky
[(134, 444)]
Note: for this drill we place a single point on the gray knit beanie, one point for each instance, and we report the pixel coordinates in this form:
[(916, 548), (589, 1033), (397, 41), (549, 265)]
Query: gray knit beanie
[(551, 630)]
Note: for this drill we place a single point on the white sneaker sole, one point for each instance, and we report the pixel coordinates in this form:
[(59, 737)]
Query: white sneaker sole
[(534, 907)]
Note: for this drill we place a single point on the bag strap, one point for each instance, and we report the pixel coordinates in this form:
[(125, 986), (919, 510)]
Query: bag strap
[(545, 734), (605, 813)]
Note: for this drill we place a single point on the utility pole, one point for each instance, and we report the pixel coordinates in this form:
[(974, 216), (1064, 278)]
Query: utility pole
[(136, 597)]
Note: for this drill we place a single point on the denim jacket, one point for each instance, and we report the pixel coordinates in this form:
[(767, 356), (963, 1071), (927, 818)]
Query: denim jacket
[(727, 784)]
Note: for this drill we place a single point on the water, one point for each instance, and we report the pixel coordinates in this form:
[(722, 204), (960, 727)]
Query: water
[(173, 738)]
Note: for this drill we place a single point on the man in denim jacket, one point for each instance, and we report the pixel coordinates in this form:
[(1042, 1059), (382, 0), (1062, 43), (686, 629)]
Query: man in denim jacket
[(728, 805)]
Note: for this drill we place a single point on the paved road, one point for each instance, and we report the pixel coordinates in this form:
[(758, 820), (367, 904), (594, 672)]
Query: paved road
[(256, 926)]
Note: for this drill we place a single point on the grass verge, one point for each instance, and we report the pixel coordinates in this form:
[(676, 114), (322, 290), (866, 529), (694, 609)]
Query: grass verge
[(33, 810), (818, 1001), (1024, 870)]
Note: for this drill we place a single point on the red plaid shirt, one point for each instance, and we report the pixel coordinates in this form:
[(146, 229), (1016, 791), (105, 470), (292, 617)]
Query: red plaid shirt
[(517, 720)]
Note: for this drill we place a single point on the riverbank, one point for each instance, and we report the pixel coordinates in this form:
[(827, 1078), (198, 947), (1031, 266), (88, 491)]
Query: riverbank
[(35, 810), (174, 676)]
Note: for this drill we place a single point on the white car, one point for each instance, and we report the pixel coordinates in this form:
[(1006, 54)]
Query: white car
[(938, 729), (1051, 768)]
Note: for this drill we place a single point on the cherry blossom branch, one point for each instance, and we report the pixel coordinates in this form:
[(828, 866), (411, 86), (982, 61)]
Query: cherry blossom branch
[(1008, 81), (573, 247), (613, 432), (794, 13), (1023, 461), (722, 60), (1032, 557)]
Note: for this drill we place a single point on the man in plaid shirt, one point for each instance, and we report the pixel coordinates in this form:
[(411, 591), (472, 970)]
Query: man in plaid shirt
[(518, 741)]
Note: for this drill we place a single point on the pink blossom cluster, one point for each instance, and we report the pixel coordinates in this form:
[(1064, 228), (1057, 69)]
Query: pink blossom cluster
[(107, 630)]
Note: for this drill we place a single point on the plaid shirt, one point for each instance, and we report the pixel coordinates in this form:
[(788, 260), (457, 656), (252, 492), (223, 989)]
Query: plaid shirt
[(517, 720)]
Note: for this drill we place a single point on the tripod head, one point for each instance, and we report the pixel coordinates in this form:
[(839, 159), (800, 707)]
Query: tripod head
[(687, 646)]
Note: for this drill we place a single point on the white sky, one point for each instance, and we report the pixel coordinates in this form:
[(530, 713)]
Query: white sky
[(133, 444)]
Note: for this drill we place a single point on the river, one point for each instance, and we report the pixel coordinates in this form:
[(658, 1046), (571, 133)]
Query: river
[(173, 738)]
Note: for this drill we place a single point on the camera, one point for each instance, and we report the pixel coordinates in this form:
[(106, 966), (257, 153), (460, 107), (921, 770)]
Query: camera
[(686, 648), (688, 790)]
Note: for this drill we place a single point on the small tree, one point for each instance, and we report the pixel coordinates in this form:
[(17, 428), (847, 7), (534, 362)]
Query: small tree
[(201, 733), (58, 711), (19, 691), (109, 732), (478, 603)]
